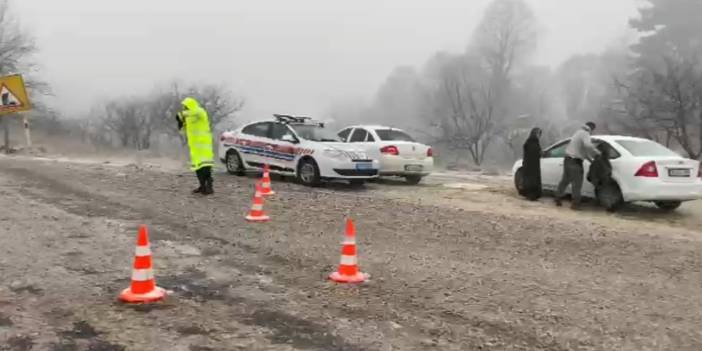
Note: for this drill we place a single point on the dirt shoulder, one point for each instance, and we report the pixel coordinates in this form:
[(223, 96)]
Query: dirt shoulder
[(496, 194)]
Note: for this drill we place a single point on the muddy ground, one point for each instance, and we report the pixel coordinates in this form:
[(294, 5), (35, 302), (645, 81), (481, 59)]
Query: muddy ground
[(453, 267)]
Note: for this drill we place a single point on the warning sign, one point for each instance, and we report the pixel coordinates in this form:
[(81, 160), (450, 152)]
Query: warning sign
[(13, 95)]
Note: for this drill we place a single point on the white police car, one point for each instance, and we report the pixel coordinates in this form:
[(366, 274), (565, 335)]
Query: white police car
[(295, 146)]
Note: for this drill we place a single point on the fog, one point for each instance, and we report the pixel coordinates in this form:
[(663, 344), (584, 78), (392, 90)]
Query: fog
[(281, 56)]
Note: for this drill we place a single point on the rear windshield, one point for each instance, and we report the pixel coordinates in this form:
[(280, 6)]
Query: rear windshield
[(646, 148), (393, 135)]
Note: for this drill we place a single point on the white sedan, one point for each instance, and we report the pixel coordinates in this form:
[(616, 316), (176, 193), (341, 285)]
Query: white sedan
[(399, 154), (642, 169), (298, 147)]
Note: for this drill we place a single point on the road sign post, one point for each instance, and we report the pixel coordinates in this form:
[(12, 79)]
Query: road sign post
[(6, 131), (27, 135), (13, 99)]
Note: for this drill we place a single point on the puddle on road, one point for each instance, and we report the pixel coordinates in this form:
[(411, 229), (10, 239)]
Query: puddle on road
[(466, 186)]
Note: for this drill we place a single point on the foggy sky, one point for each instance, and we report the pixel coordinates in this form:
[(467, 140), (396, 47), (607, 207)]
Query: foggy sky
[(283, 56)]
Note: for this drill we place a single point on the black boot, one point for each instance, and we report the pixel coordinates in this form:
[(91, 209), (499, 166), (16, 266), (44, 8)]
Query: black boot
[(201, 179), (209, 186)]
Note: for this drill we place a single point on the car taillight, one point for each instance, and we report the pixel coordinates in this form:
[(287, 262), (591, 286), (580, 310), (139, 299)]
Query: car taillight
[(430, 152), (648, 170), (390, 150)]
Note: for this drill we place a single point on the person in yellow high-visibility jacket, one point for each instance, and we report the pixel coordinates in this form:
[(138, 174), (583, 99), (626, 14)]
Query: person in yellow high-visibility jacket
[(196, 122)]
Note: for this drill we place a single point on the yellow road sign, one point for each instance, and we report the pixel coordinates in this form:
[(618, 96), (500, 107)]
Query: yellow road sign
[(13, 95)]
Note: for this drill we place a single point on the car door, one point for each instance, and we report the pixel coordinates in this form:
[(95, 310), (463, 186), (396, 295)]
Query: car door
[(282, 151), (253, 141), (552, 165), (365, 141)]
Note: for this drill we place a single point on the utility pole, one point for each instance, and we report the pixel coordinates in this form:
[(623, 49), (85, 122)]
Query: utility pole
[(27, 135)]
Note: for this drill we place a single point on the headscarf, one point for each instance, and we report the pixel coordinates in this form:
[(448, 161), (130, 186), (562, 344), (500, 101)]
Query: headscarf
[(535, 134)]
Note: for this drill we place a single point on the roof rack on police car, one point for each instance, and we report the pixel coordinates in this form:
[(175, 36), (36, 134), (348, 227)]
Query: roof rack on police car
[(291, 119), (287, 119)]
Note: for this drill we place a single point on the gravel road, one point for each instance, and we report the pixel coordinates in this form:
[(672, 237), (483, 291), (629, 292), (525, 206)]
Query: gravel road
[(451, 268)]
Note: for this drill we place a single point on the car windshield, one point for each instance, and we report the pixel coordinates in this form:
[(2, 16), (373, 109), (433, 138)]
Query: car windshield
[(393, 135), (646, 148), (315, 133)]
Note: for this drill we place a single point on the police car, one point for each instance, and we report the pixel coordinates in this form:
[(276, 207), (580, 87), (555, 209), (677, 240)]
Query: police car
[(297, 147)]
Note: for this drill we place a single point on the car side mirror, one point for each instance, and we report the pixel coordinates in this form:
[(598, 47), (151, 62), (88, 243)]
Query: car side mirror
[(289, 138)]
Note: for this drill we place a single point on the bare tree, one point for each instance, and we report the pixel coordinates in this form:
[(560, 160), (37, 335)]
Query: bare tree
[(134, 122), (16, 51), (467, 103), (221, 104), (504, 37), (129, 121)]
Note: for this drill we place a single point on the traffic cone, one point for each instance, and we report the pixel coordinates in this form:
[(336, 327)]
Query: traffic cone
[(266, 182), (348, 268), (143, 288), (257, 214)]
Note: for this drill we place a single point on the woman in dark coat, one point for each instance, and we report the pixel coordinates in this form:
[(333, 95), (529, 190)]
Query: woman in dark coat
[(531, 166)]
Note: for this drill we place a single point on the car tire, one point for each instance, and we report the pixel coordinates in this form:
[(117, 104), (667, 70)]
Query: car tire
[(308, 173), (668, 205), (413, 179), (519, 181), (610, 197), (234, 163)]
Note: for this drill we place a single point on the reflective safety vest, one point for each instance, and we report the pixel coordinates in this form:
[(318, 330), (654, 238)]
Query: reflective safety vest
[(197, 130)]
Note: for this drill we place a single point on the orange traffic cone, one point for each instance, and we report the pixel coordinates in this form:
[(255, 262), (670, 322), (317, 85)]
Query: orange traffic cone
[(348, 268), (143, 288), (266, 182), (257, 214)]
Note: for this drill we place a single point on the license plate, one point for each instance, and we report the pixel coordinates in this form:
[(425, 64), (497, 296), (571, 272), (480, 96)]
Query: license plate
[(679, 172), (414, 168), (364, 165)]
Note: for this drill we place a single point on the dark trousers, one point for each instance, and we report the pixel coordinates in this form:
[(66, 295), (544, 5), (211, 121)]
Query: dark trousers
[(572, 175), (204, 176)]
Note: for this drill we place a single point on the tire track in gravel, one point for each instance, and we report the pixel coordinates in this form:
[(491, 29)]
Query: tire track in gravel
[(286, 328)]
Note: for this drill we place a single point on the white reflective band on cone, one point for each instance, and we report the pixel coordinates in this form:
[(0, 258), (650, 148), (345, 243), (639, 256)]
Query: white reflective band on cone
[(142, 275), (348, 260), (142, 251), (258, 194), (349, 242), (256, 207)]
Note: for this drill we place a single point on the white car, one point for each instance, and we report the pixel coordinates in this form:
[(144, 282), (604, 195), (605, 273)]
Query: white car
[(642, 169), (398, 153), (295, 146)]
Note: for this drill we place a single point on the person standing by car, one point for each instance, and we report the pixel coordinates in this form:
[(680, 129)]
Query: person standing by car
[(579, 149), (196, 122), (600, 172), (532, 166)]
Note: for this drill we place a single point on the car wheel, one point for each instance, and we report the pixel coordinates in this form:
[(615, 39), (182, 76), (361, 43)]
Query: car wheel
[(519, 181), (668, 205), (308, 172), (234, 163), (610, 197), (413, 179)]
